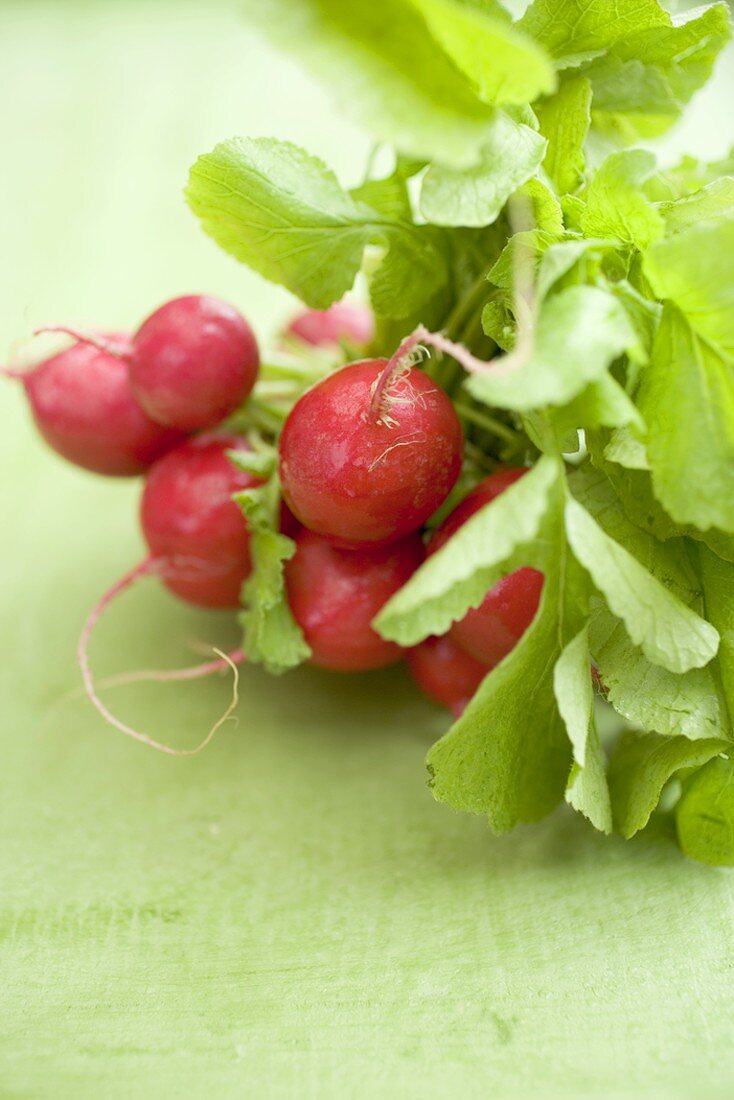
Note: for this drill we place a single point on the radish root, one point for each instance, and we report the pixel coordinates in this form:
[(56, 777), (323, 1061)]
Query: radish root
[(119, 349), (145, 568), (174, 675), (11, 372)]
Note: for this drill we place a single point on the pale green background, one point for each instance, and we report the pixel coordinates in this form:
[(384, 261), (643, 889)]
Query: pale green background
[(289, 914)]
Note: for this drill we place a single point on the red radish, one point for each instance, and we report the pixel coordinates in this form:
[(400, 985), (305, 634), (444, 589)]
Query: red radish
[(335, 594), (83, 407), (445, 672), (491, 630), (288, 524), (370, 452), (343, 323), (192, 526), (194, 361)]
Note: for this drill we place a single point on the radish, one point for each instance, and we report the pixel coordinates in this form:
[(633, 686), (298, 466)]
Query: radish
[(191, 363), (343, 323), (370, 452), (194, 361), (83, 407), (445, 672), (335, 594), (193, 528), (490, 631)]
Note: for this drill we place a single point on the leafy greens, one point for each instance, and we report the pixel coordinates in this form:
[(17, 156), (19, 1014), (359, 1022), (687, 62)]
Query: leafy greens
[(623, 274)]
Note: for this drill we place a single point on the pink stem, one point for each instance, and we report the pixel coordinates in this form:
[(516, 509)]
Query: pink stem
[(501, 365), (119, 350), (144, 568), (470, 363), (392, 365)]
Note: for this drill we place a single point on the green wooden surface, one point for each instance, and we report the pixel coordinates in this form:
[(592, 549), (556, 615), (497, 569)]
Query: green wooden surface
[(289, 914)]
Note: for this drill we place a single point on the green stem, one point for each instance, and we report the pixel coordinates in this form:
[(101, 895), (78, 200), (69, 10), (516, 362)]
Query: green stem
[(486, 422), (270, 418), (459, 315), (480, 458)]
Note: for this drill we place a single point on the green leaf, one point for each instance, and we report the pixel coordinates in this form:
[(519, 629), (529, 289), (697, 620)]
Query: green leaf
[(641, 765), (388, 196), (532, 242), (570, 29), (546, 213), (687, 176), (508, 756), (715, 200), (587, 787), (563, 257), (643, 82), (669, 633), (634, 489), (475, 196), (690, 704), (602, 404), (668, 561), (564, 122), (705, 815), (644, 315), (498, 320), (627, 450), (503, 65), (616, 205), (382, 64), (414, 269), (695, 269), (283, 212), (649, 696), (687, 383), (579, 333), (718, 587), (272, 637), (459, 575)]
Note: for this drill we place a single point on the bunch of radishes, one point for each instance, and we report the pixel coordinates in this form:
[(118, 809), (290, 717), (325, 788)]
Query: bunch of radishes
[(367, 456)]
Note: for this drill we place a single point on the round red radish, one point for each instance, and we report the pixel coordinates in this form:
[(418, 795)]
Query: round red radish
[(491, 630), (193, 528), (193, 362), (445, 672), (343, 323), (368, 454), (83, 407), (335, 594)]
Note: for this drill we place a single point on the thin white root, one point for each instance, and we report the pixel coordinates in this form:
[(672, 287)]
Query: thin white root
[(150, 565), (174, 675)]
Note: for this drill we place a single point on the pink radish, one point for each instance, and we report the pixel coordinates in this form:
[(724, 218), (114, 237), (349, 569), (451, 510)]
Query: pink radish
[(194, 361), (335, 594), (446, 673), (369, 453), (193, 528), (83, 407), (343, 323)]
